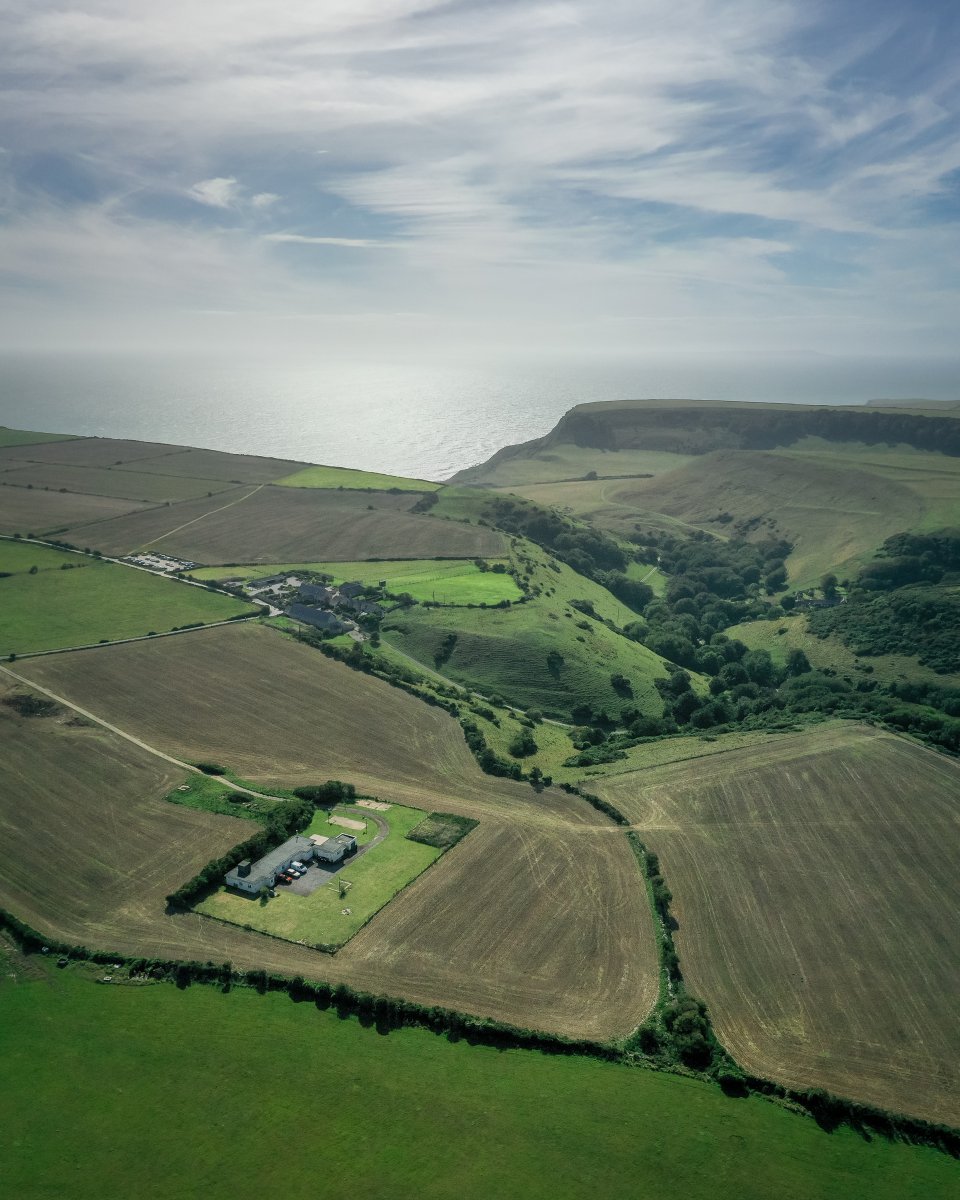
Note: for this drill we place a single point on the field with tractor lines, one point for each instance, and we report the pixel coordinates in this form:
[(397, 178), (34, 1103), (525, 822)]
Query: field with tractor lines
[(538, 917), (815, 887)]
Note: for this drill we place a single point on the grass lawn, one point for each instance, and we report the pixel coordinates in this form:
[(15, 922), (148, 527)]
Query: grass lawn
[(319, 919), (448, 581), (24, 437), (165, 1093), (95, 601), (208, 793), (344, 477)]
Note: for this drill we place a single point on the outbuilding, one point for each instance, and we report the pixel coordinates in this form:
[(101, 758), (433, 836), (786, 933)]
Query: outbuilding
[(251, 877), (336, 849)]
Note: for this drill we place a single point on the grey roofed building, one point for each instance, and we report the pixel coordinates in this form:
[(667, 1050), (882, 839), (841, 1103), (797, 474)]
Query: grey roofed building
[(315, 593), (251, 877), (318, 617), (349, 590), (266, 581), (335, 848), (364, 607)]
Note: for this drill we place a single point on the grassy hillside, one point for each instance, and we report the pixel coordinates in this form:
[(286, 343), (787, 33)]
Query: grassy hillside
[(547, 653), (814, 882), (836, 481), (793, 632), (195, 1089)]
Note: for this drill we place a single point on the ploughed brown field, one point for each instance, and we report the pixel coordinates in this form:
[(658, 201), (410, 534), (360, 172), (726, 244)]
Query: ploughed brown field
[(274, 524), (32, 510), (815, 884), (127, 483), (538, 918)]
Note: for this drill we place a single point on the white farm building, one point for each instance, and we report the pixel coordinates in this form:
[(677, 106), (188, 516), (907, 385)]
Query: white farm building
[(251, 877), (334, 849)]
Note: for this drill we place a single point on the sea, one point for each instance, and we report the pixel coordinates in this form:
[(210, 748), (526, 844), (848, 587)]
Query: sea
[(407, 418)]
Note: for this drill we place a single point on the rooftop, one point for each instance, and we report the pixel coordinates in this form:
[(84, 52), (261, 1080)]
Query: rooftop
[(264, 869)]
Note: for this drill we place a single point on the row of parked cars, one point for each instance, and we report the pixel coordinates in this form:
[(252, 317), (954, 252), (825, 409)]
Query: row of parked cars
[(294, 871)]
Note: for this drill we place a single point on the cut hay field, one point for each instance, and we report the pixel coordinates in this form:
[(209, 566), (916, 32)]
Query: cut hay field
[(325, 918), (521, 920), (447, 581), (122, 482), (172, 1073), (345, 477), (815, 886), (271, 524), (34, 511), (85, 452), (94, 601), (88, 842), (215, 464)]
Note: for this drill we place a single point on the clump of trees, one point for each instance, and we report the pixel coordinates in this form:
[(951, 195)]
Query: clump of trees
[(326, 795)]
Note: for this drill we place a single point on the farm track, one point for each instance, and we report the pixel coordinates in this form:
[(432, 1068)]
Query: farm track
[(538, 918), (202, 517), (814, 884)]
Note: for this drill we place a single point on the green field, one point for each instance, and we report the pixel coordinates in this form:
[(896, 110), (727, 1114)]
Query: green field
[(326, 918), (345, 477), (447, 581), (92, 602), (165, 1093), (17, 557), (24, 437)]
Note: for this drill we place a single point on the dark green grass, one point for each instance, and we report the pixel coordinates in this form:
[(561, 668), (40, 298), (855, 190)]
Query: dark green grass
[(213, 795), (93, 602), (24, 437), (159, 1093)]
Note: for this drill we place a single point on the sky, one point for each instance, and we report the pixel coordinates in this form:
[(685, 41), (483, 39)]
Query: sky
[(589, 177)]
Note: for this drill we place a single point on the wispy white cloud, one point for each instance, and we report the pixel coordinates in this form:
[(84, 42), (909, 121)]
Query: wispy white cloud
[(544, 160), (302, 239), (218, 193)]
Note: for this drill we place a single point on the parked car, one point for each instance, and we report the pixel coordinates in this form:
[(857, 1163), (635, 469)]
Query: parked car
[(284, 879)]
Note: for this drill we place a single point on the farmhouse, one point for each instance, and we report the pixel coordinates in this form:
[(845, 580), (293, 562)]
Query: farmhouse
[(315, 593), (362, 607), (335, 849), (251, 877), (349, 590)]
